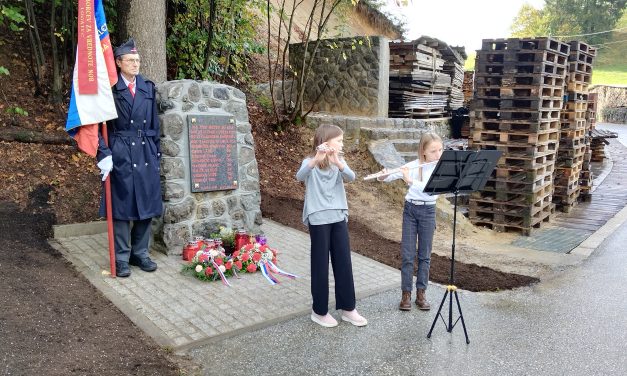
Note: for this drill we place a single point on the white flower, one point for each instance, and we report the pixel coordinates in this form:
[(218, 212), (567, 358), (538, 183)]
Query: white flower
[(222, 268), (198, 253), (198, 268), (213, 253)]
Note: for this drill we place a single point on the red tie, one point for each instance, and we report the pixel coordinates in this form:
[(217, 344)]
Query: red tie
[(131, 88)]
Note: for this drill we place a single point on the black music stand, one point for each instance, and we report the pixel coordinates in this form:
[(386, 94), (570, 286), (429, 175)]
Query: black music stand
[(459, 171)]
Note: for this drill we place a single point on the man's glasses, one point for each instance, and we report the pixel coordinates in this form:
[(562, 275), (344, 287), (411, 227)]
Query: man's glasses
[(132, 61)]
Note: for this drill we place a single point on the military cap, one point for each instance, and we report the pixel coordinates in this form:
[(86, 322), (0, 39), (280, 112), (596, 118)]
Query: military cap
[(125, 48)]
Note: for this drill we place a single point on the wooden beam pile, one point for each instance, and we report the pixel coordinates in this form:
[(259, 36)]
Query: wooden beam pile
[(574, 149), (467, 87), (418, 86), (519, 88)]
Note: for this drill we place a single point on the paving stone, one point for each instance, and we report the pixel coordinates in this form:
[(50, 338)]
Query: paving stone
[(186, 310)]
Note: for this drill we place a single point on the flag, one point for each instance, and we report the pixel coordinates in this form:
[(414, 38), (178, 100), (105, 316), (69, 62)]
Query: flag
[(91, 100)]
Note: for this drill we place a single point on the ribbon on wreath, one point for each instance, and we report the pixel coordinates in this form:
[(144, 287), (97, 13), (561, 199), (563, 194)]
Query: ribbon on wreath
[(266, 273), (222, 276), (276, 269), (268, 268)]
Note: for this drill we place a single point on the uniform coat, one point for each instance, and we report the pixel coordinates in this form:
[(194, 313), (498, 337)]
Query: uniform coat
[(134, 147)]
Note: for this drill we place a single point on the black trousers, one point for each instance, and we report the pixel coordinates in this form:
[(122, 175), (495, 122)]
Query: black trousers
[(331, 239)]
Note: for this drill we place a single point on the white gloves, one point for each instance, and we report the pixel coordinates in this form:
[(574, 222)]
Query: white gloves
[(105, 166)]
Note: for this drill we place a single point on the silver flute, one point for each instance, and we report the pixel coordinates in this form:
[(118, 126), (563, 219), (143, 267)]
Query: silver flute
[(325, 149), (395, 170)]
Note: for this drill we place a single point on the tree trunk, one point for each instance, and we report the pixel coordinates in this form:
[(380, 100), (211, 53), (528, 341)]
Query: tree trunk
[(56, 96), (19, 134), (36, 53), (144, 20)]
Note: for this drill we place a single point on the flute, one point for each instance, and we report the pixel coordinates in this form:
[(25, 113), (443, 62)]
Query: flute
[(395, 170), (325, 149)]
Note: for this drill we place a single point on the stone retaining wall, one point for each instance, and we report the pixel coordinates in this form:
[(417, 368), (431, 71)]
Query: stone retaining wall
[(188, 214), (356, 71)]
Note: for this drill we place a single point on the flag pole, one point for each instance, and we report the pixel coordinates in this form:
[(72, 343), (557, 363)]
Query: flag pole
[(105, 136)]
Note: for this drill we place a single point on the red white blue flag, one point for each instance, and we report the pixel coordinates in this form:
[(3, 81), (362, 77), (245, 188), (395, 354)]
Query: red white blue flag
[(91, 101)]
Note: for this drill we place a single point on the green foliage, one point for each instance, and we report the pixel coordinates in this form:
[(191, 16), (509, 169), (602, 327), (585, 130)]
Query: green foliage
[(17, 110), (4, 71), (13, 17), (469, 64), (233, 39), (569, 18), (610, 66), (529, 22)]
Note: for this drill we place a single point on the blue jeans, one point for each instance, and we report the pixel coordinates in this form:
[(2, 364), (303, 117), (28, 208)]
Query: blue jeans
[(418, 221)]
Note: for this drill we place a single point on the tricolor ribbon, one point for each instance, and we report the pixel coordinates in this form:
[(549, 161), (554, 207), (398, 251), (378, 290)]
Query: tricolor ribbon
[(269, 277), (276, 269), (220, 273)]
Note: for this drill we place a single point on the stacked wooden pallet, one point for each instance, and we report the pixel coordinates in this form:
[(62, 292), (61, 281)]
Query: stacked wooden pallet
[(519, 88), (572, 172), (418, 86)]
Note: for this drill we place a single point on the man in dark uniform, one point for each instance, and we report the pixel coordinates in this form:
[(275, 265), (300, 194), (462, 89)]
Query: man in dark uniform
[(132, 159)]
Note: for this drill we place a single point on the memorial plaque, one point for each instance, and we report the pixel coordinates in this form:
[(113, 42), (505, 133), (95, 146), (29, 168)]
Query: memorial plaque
[(212, 152)]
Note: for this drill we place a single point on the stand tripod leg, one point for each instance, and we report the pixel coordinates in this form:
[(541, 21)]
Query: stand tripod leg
[(437, 314), (461, 316)]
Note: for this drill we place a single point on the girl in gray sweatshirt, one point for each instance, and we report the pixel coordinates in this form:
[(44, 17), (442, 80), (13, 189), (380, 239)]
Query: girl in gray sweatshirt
[(325, 212)]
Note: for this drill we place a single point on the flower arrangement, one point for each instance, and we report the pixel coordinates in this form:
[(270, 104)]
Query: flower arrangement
[(227, 235), (211, 263)]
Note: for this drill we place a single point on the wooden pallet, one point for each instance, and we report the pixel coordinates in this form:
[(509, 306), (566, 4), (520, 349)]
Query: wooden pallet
[(481, 205), (508, 138), (516, 225), (515, 44), (517, 126), (526, 162)]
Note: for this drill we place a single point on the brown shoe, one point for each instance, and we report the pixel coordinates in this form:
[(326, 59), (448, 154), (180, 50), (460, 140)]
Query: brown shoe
[(405, 301), (421, 300)]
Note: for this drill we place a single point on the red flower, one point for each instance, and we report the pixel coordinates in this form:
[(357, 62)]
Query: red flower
[(238, 265), (228, 265), (273, 252), (249, 247), (274, 260), (235, 254), (203, 258), (257, 257), (251, 268), (263, 248), (245, 257), (219, 261), (208, 271)]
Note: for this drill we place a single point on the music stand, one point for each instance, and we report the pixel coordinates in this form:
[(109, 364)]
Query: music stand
[(459, 171)]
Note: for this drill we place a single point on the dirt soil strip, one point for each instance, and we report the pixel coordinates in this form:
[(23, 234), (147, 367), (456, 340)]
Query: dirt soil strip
[(52, 321), (367, 243)]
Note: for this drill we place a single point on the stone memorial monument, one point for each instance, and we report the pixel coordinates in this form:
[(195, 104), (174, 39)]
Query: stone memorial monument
[(209, 172)]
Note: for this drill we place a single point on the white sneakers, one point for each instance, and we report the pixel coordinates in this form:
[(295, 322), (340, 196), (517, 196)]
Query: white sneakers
[(354, 318), (328, 321)]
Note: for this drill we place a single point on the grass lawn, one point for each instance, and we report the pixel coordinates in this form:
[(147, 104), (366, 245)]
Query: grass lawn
[(610, 75)]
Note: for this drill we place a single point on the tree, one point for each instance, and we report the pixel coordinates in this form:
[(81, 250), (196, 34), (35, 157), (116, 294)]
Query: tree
[(573, 19), (144, 20), (311, 37), (529, 22)]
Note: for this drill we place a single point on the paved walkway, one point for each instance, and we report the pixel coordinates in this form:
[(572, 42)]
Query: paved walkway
[(179, 311), (572, 324)]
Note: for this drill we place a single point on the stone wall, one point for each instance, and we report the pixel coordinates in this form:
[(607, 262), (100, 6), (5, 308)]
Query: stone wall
[(188, 214), (609, 97), (356, 71)]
